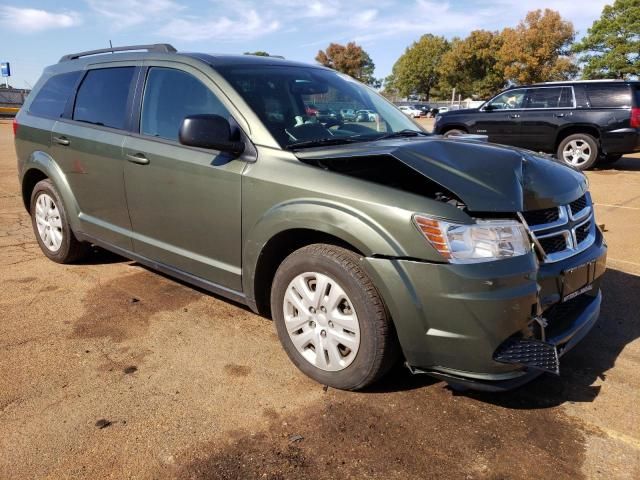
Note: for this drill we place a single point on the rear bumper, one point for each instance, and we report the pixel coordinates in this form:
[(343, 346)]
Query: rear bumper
[(621, 141), (451, 319)]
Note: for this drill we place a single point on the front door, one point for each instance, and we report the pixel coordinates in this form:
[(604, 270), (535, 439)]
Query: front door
[(184, 202), (88, 148), (499, 119)]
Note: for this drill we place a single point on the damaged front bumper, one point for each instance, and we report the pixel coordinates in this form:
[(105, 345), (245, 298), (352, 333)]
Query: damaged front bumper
[(467, 324)]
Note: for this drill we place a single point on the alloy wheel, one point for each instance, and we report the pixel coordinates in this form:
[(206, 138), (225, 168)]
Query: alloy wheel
[(576, 152)]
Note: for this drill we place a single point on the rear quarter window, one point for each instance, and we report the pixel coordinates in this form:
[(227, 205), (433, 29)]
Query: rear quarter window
[(609, 96), (102, 97), (50, 101)]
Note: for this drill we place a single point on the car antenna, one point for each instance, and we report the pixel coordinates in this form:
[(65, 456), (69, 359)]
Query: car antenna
[(110, 45)]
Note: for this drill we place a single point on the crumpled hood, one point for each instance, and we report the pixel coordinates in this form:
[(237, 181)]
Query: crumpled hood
[(486, 177)]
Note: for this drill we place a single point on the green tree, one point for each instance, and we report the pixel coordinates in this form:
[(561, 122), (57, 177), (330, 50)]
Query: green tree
[(350, 59), (611, 48), (471, 65), (259, 53), (538, 49), (417, 71)]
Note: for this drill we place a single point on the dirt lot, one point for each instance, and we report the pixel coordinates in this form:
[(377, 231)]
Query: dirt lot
[(108, 370)]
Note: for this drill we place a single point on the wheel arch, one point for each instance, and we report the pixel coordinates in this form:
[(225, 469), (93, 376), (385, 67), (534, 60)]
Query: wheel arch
[(286, 228), (40, 166), (573, 129)]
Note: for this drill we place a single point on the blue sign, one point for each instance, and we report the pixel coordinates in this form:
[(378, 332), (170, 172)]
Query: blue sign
[(5, 69)]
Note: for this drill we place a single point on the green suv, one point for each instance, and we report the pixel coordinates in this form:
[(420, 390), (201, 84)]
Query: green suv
[(367, 242)]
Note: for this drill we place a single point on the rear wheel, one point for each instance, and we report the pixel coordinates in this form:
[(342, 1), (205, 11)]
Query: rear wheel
[(579, 150), (49, 220), (454, 132), (331, 319)]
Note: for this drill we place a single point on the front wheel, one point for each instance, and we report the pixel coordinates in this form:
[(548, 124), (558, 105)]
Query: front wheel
[(579, 150), (330, 318)]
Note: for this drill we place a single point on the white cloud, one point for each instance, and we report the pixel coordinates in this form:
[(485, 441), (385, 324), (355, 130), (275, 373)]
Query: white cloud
[(127, 13), (242, 27), (30, 20)]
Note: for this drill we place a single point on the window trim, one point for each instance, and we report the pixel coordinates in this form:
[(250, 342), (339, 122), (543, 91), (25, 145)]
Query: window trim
[(526, 94), (128, 105), (136, 113), (71, 95), (573, 96)]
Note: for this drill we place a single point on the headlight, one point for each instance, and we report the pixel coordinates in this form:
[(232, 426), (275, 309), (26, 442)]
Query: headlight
[(483, 241)]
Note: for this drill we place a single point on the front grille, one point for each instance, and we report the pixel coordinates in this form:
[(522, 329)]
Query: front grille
[(554, 244), (540, 217), (562, 231), (582, 232), (578, 205), (530, 352)]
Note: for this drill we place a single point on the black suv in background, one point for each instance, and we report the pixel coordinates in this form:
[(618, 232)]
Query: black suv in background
[(581, 122)]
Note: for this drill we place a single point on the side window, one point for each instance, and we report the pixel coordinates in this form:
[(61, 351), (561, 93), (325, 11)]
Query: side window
[(170, 96), (52, 97), (609, 96), (549, 97), (508, 100), (102, 97)]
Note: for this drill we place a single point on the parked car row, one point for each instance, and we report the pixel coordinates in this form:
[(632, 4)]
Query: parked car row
[(583, 123)]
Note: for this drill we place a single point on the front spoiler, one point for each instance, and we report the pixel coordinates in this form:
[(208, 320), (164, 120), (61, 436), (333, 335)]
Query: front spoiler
[(563, 342)]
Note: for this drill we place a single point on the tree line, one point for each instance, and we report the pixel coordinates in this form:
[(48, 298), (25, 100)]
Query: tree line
[(540, 48)]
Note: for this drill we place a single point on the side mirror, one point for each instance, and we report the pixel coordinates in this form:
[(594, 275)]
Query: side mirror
[(488, 108), (209, 131)]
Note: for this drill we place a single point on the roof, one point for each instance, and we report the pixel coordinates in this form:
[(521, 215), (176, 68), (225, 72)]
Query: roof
[(164, 50), (574, 82)]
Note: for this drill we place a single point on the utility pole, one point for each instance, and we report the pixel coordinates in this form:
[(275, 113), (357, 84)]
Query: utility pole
[(453, 96)]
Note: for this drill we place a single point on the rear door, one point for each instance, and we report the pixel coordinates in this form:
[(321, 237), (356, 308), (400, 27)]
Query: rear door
[(546, 110), (499, 119), (87, 144), (184, 202)]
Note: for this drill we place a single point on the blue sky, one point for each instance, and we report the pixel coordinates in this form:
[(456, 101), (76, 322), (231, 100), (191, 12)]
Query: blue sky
[(38, 32)]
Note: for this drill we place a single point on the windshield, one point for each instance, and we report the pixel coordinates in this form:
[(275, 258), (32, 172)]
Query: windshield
[(312, 106)]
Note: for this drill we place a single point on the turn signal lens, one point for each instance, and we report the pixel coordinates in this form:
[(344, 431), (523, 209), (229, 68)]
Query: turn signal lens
[(483, 241), (15, 127)]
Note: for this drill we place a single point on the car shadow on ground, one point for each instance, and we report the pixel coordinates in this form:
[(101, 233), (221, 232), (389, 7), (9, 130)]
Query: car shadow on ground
[(100, 256), (625, 164)]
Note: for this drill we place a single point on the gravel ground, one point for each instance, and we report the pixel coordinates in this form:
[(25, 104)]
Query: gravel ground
[(109, 370)]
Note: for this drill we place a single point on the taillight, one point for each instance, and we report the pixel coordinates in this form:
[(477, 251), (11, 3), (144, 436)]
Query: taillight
[(635, 117), (15, 127)]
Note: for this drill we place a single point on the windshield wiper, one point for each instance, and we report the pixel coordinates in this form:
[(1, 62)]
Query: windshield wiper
[(322, 142), (402, 133)]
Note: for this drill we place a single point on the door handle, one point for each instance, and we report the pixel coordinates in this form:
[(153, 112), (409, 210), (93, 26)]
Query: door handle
[(61, 141), (138, 158), (558, 115), (514, 115)]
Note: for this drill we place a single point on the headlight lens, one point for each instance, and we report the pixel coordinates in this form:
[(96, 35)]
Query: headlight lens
[(483, 241)]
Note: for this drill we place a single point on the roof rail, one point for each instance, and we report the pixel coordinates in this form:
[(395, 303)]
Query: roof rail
[(156, 47)]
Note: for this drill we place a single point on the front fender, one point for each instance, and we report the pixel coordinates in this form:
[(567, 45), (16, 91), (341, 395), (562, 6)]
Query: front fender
[(44, 163), (338, 220)]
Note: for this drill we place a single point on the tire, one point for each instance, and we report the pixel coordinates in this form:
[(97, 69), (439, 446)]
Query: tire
[(609, 159), (51, 226), (579, 151), (454, 132), (371, 347)]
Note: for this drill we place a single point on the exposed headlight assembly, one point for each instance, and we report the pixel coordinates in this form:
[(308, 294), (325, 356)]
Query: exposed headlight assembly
[(483, 241)]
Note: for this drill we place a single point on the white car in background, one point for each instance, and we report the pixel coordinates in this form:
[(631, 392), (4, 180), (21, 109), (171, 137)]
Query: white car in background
[(410, 111)]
